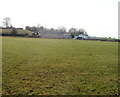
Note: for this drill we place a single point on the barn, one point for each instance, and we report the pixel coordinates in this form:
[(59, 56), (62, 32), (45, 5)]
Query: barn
[(48, 33)]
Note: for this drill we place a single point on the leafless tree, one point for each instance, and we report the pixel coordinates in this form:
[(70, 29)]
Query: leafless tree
[(62, 29), (7, 22), (81, 31), (72, 30)]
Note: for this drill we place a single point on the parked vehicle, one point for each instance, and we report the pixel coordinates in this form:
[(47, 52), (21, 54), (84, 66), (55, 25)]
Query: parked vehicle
[(79, 38)]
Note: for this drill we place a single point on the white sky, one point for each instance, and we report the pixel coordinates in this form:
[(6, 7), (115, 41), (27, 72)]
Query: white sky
[(97, 17)]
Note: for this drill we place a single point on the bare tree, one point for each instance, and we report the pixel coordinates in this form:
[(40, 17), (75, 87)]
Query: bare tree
[(72, 30), (62, 29), (38, 25), (81, 31), (7, 22)]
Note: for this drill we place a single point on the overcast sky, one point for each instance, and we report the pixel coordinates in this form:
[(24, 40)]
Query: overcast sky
[(97, 17)]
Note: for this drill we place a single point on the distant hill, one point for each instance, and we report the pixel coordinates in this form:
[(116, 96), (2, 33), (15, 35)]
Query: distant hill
[(19, 32)]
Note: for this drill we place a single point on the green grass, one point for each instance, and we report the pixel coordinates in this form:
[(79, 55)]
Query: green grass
[(59, 67), (106, 38), (5, 31)]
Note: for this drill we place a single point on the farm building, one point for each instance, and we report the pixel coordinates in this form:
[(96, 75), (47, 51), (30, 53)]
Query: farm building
[(48, 33), (67, 36)]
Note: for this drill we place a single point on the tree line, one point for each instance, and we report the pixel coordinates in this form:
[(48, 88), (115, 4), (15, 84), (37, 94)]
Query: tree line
[(35, 29), (73, 31)]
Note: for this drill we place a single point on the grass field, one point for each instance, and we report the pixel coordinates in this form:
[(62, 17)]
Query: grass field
[(8, 31), (58, 67)]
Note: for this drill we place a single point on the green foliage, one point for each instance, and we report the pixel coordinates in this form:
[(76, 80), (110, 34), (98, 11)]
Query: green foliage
[(59, 67)]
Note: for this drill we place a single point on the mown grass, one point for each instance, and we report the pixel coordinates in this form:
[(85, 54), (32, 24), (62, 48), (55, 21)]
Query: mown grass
[(59, 67)]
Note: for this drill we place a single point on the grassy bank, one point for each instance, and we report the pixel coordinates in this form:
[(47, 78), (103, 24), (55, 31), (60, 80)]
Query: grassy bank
[(18, 31)]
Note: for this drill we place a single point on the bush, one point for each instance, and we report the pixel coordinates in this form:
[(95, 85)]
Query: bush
[(14, 32)]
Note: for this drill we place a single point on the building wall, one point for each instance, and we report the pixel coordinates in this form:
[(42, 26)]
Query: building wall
[(67, 36), (47, 33)]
